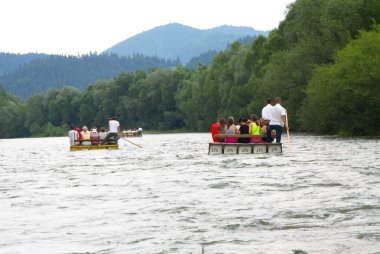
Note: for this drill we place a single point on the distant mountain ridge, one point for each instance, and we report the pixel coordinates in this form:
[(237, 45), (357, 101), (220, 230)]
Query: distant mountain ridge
[(175, 40), (57, 71)]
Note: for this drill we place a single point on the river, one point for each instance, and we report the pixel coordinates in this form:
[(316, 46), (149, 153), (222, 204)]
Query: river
[(172, 197)]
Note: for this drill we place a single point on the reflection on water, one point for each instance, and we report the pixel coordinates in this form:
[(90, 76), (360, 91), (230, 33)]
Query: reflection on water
[(172, 197)]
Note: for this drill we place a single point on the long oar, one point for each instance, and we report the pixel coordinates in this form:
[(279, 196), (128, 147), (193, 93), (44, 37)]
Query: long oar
[(287, 132), (131, 142)]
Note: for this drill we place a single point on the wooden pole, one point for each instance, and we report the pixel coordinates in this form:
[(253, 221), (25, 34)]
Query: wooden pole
[(132, 142), (287, 131)]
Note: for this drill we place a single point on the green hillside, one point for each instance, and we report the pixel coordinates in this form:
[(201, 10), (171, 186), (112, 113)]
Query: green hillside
[(56, 71)]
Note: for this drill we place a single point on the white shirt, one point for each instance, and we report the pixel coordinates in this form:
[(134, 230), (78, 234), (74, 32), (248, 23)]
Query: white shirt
[(266, 112), (114, 126), (276, 115), (73, 135)]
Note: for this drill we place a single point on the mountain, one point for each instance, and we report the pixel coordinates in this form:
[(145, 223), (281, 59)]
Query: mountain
[(10, 62), (175, 40), (78, 71)]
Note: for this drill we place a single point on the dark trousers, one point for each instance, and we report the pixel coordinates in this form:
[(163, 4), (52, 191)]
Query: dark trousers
[(115, 135), (278, 129)]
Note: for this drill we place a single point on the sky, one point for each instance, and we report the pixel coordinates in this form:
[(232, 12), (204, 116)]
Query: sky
[(74, 27)]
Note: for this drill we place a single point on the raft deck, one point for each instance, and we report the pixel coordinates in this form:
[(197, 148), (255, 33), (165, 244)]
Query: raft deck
[(242, 148), (93, 147)]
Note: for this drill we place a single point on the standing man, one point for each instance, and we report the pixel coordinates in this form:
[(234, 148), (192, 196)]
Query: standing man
[(277, 121), (266, 111), (113, 130), (73, 135)]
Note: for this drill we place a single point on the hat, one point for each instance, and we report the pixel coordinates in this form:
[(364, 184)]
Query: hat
[(94, 130)]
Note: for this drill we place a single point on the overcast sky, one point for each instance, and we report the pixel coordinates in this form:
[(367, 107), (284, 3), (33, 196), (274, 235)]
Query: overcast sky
[(79, 26)]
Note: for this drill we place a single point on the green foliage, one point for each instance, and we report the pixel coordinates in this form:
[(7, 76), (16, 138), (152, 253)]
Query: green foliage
[(344, 97)]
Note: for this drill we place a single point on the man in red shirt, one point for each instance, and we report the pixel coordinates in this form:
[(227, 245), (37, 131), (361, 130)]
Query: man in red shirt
[(215, 130)]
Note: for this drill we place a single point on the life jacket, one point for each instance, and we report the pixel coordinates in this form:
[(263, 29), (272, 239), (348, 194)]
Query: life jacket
[(215, 130), (94, 136)]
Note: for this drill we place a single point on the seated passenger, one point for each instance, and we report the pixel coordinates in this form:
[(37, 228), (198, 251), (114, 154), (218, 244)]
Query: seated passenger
[(222, 129), (214, 130), (94, 136), (231, 129), (263, 129), (244, 129), (73, 135), (85, 136), (255, 129), (103, 133), (79, 136)]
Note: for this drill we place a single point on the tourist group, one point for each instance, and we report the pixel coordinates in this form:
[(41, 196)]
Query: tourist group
[(264, 129), (93, 137)]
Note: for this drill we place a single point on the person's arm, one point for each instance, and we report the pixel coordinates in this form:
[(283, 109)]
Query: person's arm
[(284, 115)]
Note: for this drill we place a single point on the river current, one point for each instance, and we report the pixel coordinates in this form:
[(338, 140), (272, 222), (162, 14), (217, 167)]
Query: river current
[(172, 197)]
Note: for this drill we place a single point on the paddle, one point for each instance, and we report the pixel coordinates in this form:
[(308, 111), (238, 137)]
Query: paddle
[(287, 132), (131, 142)]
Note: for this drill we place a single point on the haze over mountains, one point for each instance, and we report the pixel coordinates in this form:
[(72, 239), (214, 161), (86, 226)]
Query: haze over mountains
[(176, 40), (164, 46)]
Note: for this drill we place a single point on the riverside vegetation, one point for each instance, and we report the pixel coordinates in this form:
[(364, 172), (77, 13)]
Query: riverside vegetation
[(323, 60)]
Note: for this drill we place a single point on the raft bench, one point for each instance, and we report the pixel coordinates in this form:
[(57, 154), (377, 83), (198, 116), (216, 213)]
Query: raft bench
[(109, 145), (242, 148)]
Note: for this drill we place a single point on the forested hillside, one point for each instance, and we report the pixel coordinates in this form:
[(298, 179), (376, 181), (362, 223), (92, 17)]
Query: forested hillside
[(10, 62), (323, 60), (174, 41), (57, 71)]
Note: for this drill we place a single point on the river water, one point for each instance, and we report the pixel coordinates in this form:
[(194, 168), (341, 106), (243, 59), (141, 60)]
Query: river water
[(172, 197)]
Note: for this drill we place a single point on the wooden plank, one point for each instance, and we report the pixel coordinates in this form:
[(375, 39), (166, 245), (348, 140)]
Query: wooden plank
[(215, 148), (259, 148), (274, 148), (230, 149), (93, 147), (245, 149)]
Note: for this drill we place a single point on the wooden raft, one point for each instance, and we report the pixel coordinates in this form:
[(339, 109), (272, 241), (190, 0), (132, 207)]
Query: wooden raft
[(243, 148), (93, 147)]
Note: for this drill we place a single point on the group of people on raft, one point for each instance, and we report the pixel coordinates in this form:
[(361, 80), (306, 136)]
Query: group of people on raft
[(264, 129), (93, 137)]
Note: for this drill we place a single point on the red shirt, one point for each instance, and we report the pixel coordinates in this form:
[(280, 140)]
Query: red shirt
[(215, 130)]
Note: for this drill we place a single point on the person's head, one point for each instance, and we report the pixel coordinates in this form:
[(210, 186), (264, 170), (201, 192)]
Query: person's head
[(84, 128), (112, 118), (230, 121), (243, 121), (103, 129), (277, 100), (269, 101), (254, 118), (72, 127), (222, 121)]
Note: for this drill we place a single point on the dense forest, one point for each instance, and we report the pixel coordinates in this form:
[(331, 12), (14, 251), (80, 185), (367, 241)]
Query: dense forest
[(323, 60), (57, 71), (10, 62)]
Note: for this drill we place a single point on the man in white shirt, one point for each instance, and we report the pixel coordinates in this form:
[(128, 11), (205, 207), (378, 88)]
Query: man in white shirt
[(73, 135), (114, 130), (266, 111), (277, 121)]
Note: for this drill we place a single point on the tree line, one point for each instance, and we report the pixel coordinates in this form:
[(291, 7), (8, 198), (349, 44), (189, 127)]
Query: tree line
[(323, 60)]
